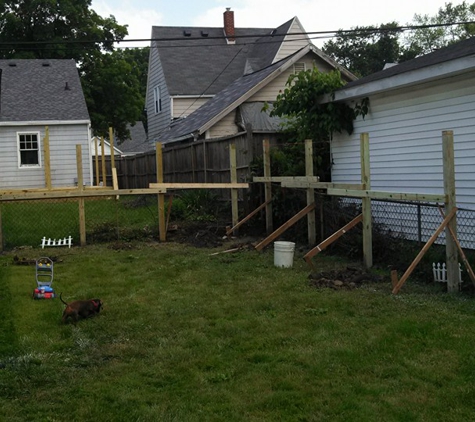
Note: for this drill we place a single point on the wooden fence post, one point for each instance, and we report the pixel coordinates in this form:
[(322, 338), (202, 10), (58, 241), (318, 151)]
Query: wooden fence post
[(111, 142), (82, 213), (234, 192), (47, 159), (96, 159), (451, 252), (366, 202), (103, 155), (267, 186), (311, 222), (161, 197)]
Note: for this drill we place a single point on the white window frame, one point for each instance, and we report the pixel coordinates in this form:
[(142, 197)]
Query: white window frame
[(157, 100), (38, 149)]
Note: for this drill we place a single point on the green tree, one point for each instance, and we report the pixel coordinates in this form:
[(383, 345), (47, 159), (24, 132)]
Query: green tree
[(365, 50), (442, 29), (307, 115), (113, 81), (114, 85)]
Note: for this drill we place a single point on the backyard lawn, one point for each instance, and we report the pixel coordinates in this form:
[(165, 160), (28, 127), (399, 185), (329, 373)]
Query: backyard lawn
[(189, 336)]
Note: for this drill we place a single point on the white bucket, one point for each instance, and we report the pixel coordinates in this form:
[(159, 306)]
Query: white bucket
[(284, 254)]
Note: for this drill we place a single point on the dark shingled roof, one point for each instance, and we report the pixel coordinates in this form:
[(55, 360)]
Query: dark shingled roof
[(32, 90), (137, 142), (454, 51), (209, 69), (219, 103)]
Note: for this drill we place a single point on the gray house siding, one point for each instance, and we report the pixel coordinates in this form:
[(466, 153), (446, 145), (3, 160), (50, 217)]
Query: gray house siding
[(157, 122), (63, 141)]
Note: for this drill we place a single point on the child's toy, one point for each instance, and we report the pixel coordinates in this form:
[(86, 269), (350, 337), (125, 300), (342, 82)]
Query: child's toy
[(44, 279)]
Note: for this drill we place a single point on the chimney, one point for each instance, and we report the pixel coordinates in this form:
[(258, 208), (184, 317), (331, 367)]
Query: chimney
[(229, 25)]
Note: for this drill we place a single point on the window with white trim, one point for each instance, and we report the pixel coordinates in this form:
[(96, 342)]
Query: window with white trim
[(157, 100), (29, 149)]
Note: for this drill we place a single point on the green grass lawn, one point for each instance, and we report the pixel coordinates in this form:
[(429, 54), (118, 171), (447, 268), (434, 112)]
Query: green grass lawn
[(185, 336)]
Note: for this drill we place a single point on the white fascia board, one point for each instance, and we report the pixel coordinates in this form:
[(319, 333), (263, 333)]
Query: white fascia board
[(192, 96), (45, 123), (406, 79)]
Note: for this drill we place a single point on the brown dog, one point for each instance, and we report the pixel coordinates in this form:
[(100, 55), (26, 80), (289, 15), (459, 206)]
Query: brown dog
[(80, 309)]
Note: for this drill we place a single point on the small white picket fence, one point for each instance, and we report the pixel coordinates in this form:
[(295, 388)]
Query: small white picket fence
[(67, 241), (440, 272)]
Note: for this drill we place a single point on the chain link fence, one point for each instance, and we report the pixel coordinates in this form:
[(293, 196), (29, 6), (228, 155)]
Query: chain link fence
[(25, 223)]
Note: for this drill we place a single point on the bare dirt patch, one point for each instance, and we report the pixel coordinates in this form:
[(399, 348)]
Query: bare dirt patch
[(345, 279)]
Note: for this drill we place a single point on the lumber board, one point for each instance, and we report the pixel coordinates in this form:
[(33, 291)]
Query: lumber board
[(321, 185), (387, 195), (279, 179), (199, 185), (459, 247), (424, 250), (248, 217), (329, 240), (302, 213), (76, 193)]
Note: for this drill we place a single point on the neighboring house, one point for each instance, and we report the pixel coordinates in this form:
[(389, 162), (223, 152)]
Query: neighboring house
[(410, 104), (191, 68), (107, 147), (138, 141), (35, 94)]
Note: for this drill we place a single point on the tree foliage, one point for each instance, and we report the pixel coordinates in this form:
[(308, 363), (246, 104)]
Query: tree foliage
[(309, 117), (365, 50), (426, 40), (70, 29)]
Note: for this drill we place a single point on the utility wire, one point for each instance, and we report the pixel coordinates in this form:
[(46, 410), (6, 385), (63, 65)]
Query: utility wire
[(320, 34)]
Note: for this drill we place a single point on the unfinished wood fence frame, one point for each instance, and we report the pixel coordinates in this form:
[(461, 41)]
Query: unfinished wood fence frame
[(364, 192)]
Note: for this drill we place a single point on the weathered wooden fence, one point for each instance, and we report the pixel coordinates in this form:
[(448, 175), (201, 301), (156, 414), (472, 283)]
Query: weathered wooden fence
[(205, 161)]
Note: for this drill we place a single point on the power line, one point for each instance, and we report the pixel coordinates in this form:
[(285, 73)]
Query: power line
[(313, 34)]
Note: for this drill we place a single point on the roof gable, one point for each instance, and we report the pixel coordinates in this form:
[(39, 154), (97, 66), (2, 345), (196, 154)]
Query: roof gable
[(41, 90), (228, 99)]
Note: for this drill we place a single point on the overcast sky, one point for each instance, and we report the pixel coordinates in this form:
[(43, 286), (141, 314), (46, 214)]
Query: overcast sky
[(315, 15)]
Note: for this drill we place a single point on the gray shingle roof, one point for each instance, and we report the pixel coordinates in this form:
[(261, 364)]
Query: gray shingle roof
[(32, 90), (219, 102), (137, 142), (454, 51), (209, 69)]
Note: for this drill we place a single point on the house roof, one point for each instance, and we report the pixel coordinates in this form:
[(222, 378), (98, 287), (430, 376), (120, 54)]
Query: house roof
[(226, 100), (440, 63), (41, 90), (206, 70), (137, 142)]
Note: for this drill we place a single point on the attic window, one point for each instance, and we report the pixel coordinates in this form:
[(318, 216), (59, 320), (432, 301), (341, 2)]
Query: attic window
[(299, 67), (45, 64), (187, 33), (204, 33), (12, 64)]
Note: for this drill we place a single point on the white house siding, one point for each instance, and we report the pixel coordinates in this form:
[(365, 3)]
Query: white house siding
[(292, 43), (63, 140), (405, 134), (226, 126), (157, 122), (183, 107), (274, 87)]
